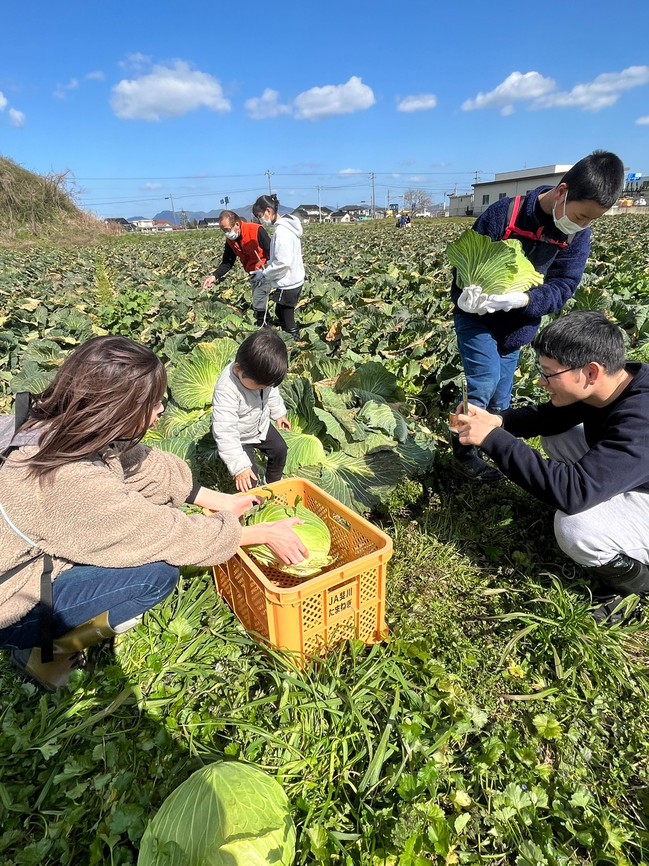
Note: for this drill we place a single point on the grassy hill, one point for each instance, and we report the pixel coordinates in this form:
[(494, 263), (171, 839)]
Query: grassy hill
[(33, 205)]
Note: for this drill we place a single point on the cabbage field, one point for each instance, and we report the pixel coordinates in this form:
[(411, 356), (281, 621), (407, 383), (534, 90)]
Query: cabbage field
[(496, 725)]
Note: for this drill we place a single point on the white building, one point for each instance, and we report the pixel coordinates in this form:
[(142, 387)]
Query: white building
[(511, 183), (460, 205)]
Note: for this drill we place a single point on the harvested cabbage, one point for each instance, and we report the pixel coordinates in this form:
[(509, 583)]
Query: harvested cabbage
[(225, 814), (313, 533), (498, 267)]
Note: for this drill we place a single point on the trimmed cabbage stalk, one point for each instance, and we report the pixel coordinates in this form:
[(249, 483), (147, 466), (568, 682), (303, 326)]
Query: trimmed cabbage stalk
[(225, 814), (498, 267), (313, 533)]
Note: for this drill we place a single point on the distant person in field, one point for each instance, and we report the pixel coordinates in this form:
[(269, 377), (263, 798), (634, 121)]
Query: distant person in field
[(595, 432), (283, 277), (552, 224), (91, 527), (246, 399), (248, 242)]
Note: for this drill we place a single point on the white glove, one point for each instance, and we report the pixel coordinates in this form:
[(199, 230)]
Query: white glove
[(505, 303), (472, 300), (256, 277)]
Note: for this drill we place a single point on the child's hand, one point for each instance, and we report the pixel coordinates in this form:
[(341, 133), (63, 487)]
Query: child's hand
[(283, 423), (245, 480)]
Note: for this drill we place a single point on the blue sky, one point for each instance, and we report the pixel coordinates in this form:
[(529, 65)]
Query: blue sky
[(142, 100)]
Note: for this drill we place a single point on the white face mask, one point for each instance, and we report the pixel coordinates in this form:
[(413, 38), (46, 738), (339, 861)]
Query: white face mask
[(232, 235), (564, 223), (265, 222)]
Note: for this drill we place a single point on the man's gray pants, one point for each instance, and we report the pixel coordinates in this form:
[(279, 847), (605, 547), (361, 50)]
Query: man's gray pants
[(596, 536)]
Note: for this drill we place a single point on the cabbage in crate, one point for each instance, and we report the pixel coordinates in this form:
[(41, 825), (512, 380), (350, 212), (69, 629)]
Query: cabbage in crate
[(313, 533), (498, 267)]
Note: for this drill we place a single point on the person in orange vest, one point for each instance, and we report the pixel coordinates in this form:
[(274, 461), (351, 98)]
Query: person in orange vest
[(249, 242)]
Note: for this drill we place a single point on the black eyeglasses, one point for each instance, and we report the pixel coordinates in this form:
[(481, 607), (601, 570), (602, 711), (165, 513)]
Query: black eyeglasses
[(547, 376)]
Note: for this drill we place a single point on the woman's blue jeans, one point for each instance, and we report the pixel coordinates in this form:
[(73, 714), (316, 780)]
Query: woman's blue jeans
[(489, 374), (84, 591)]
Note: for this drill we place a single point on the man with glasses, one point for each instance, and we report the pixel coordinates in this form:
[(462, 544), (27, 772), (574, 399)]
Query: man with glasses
[(595, 431), (249, 242)]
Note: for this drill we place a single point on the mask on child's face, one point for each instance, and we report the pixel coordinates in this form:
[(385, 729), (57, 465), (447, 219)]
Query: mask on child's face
[(564, 223)]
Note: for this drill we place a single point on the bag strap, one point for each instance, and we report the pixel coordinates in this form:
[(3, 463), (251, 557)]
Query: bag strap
[(22, 405), (46, 617)]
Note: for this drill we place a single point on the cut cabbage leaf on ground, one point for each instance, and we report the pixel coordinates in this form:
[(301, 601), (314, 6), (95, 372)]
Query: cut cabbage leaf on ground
[(498, 267), (313, 533)]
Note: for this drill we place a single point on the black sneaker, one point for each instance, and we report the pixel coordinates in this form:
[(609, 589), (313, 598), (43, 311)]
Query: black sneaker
[(616, 609), (474, 467)]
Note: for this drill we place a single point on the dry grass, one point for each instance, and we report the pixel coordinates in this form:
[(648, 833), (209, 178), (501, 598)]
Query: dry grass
[(35, 207)]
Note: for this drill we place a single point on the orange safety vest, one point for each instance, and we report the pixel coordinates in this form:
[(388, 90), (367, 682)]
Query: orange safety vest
[(247, 247)]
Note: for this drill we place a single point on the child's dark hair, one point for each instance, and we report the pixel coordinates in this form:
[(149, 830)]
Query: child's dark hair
[(263, 203), (581, 337), (597, 177), (263, 358)]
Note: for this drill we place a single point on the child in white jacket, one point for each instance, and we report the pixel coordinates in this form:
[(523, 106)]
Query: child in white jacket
[(245, 400), (283, 275)]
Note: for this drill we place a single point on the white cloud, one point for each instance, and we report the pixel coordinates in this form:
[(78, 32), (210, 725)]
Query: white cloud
[(517, 87), (62, 90), (333, 99), (602, 92), (266, 106), (423, 102), (152, 186), (16, 118), (97, 75), (167, 91), (641, 121), (347, 171), (135, 60), (3, 101), (542, 93)]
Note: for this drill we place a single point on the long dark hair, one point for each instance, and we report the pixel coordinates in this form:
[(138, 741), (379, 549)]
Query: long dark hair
[(104, 392), (263, 203)]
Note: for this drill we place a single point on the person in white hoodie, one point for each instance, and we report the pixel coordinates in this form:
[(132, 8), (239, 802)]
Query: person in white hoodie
[(283, 275), (246, 399)]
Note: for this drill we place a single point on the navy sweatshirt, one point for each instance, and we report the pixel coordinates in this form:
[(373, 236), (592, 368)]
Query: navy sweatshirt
[(562, 269), (618, 456)]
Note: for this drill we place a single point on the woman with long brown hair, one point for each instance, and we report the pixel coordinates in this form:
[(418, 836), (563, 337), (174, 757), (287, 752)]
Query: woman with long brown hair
[(91, 535)]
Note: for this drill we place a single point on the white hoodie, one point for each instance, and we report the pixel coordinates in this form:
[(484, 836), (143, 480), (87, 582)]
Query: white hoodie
[(285, 268)]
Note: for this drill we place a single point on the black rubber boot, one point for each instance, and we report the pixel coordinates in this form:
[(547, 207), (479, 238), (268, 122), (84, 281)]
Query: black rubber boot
[(468, 462), (615, 583)]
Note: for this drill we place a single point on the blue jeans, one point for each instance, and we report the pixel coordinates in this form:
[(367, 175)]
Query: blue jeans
[(84, 591), (489, 375)]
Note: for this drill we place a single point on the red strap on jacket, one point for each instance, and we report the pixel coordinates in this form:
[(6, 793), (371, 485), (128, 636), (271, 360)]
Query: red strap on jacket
[(512, 228)]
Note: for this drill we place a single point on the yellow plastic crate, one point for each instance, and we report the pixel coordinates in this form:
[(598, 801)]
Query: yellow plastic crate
[(310, 616)]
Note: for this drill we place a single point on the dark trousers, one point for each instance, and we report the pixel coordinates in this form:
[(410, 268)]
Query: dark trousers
[(285, 303), (275, 449)]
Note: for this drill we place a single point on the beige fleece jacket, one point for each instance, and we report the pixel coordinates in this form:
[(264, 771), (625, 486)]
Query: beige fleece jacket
[(115, 513)]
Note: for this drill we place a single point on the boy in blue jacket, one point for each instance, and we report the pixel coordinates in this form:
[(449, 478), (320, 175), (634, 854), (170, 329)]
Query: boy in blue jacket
[(552, 224), (594, 430)]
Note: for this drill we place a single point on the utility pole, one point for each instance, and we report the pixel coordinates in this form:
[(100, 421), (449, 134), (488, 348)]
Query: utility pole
[(319, 208), (372, 176), (269, 174), (476, 176), (173, 210)]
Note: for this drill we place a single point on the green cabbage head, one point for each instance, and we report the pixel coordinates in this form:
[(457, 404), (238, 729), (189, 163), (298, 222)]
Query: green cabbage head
[(313, 533), (226, 814), (499, 267)]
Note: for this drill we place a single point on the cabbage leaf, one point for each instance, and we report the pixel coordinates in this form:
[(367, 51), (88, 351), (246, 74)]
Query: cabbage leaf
[(498, 267)]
